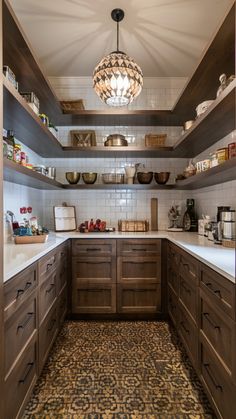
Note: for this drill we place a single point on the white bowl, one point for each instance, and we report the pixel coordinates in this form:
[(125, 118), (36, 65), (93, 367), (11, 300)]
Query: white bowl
[(202, 107)]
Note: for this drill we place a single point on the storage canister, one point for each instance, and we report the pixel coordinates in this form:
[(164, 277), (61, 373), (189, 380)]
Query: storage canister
[(214, 160), (232, 150), (17, 153), (222, 155)]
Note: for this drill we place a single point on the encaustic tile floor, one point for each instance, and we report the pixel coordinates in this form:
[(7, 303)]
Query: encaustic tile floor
[(118, 370)]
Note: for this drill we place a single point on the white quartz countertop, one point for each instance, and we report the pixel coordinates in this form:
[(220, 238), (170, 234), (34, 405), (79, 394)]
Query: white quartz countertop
[(219, 258)]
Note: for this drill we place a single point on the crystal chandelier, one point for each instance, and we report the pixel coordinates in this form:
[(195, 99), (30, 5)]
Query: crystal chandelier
[(117, 79)]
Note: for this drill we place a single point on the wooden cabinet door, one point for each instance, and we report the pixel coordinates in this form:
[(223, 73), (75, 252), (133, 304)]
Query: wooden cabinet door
[(142, 268), (138, 297), (47, 335), (90, 297)]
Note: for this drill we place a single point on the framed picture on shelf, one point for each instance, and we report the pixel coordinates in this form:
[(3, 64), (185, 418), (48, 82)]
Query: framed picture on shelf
[(83, 138)]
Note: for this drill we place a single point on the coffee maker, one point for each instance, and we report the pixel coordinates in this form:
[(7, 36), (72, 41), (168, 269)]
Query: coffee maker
[(228, 226)]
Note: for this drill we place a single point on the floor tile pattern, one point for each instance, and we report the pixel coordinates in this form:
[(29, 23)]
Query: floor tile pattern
[(118, 370)]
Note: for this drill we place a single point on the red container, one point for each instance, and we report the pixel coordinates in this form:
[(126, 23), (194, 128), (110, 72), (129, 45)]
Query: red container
[(232, 150)]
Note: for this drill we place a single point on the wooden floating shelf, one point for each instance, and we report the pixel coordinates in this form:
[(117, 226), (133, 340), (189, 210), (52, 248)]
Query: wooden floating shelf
[(27, 126), (122, 186), (225, 172), (212, 126), (14, 172), (113, 152)]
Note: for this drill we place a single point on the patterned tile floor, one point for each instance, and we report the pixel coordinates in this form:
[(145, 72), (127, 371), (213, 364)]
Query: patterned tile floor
[(118, 370)]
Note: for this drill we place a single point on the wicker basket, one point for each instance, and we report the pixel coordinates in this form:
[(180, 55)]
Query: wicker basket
[(72, 106), (154, 140), (133, 225), (31, 239)]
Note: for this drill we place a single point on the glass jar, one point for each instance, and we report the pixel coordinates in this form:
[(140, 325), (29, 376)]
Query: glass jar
[(17, 153), (222, 155), (214, 160)]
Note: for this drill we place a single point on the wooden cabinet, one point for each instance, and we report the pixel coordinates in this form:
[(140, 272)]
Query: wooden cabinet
[(138, 276), (47, 334), (201, 305), (93, 276), (20, 339)]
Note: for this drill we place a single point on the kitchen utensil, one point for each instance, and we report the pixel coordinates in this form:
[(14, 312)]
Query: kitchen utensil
[(145, 177), (73, 177), (129, 173), (154, 214), (112, 178), (162, 177), (51, 172), (116, 140), (89, 177)]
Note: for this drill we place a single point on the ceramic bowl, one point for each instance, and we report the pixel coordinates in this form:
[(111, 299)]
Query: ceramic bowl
[(73, 177)]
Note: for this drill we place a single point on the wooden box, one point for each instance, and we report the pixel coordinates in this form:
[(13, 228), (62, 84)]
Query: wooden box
[(31, 239), (72, 106), (83, 138), (154, 140), (133, 225)]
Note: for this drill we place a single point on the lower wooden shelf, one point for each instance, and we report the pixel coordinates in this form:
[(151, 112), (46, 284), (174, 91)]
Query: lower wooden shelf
[(20, 175)]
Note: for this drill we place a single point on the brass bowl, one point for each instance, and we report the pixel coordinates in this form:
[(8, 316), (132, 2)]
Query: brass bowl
[(162, 177), (89, 177), (73, 177), (144, 177)]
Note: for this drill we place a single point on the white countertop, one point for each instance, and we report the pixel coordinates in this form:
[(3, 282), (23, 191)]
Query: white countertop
[(221, 259)]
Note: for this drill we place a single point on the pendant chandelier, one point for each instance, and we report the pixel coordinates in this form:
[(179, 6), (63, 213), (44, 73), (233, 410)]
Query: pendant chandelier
[(117, 79)]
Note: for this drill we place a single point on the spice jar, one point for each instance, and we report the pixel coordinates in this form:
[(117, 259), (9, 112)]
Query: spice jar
[(222, 155), (17, 153), (214, 160), (232, 150), (23, 158), (206, 164)]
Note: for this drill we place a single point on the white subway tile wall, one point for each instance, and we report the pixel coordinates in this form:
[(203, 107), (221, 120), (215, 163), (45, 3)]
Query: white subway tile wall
[(112, 205)]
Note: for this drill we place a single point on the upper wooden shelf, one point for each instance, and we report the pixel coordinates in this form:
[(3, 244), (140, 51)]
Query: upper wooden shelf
[(213, 125), (27, 126), (112, 152), (122, 117), (119, 186)]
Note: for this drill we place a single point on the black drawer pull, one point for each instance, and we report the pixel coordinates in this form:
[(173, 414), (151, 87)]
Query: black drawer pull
[(25, 322), (28, 285), (217, 386), (184, 327), (29, 368), (185, 288), (49, 266), (218, 292), (186, 265), (207, 316), (93, 249), (139, 250), (52, 325), (50, 289), (19, 292)]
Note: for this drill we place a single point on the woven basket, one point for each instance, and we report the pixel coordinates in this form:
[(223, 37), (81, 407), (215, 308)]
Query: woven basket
[(133, 225), (72, 106), (152, 140)]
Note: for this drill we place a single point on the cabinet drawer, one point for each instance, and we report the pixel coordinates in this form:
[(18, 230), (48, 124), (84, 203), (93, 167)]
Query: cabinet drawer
[(173, 278), (173, 306), (93, 247), (141, 268), (20, 382), (47, 265), (47, 295), (62, 306), (18, 289), (18, 330), (188, 296), (139, 298), (93, 298), (47, 334), (218, 384), (138, 247), (188, 334), (219, 289), (220, 331), (99, 269), (188, 267)]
